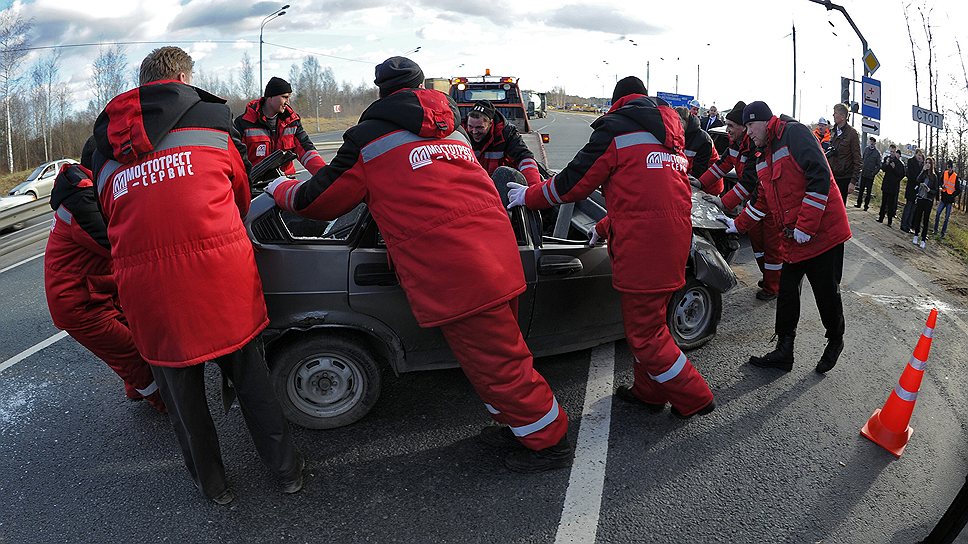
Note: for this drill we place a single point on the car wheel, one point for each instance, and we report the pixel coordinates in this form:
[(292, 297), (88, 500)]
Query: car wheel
[(325, 382), (694, 313), (32, 195)]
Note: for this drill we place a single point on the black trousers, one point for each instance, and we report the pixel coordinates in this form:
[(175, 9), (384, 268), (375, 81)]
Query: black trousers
[(866, 185), (183, 390), (843, 184), (922, 215), (953, 520), (888, 207), (824, 273)]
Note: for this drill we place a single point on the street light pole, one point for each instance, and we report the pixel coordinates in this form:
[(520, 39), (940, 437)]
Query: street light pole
[(274, 15)]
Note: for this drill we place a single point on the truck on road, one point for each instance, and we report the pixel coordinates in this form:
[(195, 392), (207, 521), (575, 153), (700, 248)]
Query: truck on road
[(508, 99)]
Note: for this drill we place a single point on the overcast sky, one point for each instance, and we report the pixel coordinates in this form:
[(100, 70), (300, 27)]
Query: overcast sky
[(743, 49)]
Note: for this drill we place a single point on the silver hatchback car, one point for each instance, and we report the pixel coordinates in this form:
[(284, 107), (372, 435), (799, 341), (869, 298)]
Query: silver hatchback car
[(40, 182)]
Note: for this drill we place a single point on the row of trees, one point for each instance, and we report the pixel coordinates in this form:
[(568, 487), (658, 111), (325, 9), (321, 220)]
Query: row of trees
[(40, 120)]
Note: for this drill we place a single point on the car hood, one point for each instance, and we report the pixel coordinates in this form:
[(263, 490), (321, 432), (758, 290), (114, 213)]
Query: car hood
[(704, 213)]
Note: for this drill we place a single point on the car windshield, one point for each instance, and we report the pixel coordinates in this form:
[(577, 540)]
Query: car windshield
[(494, 95)]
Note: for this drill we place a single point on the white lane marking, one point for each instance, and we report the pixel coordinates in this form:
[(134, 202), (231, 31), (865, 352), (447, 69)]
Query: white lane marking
[(15, 265), (32, 350), (583, 499), (553, 119), (917, 286)]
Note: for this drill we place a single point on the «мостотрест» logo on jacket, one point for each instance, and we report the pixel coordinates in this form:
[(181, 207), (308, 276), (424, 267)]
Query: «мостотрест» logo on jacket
[(166, 167), (659, 159), (423, 155)]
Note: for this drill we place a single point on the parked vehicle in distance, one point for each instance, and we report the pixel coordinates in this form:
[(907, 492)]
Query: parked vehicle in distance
[(338, 317), (40, 182)]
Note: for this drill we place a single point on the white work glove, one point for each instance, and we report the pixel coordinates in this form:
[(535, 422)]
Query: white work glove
[(730, 224), (714, 199), (800, 236), (516, 194), (275, 183), (594, 239)]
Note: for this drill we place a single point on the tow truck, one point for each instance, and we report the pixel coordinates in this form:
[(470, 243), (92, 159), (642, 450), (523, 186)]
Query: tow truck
[(505, 94)]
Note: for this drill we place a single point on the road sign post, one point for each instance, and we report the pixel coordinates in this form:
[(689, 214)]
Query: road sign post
[(870, 98), (870, 126)]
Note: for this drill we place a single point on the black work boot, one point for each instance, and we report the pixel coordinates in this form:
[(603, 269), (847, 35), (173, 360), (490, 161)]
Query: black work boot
[(781, 357), (560, 455), (707, 409), (499, 436), (830, 354), (624, 393)]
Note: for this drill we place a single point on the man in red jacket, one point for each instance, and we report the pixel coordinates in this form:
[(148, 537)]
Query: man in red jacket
[(800, 193), (497, 143), (452, 246), (269, 123), (635, 154), (741, 156), (81, 293), (173, 187)]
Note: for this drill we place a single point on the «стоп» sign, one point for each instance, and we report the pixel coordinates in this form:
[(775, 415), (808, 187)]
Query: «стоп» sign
[(927, 117)]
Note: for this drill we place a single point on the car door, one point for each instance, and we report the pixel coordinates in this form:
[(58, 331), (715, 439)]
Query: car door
[(375, 291), (575, 305)]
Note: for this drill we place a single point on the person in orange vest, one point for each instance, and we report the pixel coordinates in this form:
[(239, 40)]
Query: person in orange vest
[(822, 132), (947, 193)]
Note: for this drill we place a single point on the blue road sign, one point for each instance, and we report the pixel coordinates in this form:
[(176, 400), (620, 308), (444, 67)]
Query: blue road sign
[(675, 99), (870, 105)]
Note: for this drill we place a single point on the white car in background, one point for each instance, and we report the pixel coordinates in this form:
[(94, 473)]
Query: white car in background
[(40, 182)]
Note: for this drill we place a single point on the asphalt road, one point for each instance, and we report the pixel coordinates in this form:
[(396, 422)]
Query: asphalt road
[(780, 460)]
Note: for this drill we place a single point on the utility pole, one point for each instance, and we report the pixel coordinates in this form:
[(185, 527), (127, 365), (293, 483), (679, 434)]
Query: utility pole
[(794, 113)]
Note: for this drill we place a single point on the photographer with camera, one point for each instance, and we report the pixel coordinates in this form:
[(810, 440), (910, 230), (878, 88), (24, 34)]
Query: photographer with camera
[(893, 168), (843, 155)]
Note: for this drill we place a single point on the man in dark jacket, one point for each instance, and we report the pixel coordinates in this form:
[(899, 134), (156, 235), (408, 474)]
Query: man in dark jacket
[(801, 194), (452, 246), (844, 152), (635, 156), (914, 167), (872, 163), (171, 173), (269, 123), (893, 168), (711, 119), (497, 143), (947, 193)]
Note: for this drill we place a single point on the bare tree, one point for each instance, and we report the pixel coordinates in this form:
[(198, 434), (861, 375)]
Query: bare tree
[(914, 64), (109, 79), (13, 43), (247, 78), (932, 86), (44, 76)]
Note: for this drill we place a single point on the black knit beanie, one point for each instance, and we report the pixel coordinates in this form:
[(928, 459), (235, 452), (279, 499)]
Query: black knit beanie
[(277, 86), (626, 86), (757, 111), (397, 73), (736, 114), (485, 108)]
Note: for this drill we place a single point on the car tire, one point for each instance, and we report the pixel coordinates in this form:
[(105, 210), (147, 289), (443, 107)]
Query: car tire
[(325, 382), (32, 194), (693, 314)]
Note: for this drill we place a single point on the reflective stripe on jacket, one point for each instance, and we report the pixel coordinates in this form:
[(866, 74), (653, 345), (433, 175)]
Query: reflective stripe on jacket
[(799, 191)]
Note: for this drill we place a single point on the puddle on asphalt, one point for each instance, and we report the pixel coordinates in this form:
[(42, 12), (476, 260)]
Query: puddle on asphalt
[(910, 302)]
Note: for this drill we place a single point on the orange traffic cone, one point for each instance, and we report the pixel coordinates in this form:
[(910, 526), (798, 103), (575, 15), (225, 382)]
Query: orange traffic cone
[(888, 427)]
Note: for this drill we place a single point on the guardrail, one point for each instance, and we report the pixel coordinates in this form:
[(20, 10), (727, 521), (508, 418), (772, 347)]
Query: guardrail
[(19, 214)]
